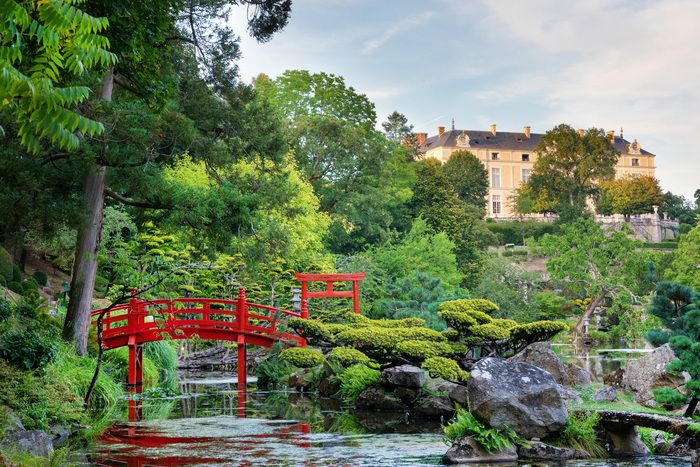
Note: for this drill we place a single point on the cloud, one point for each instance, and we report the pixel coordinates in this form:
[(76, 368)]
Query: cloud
[(402, 26)]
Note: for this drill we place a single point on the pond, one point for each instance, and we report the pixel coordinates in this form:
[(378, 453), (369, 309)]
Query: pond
[(213, 424)]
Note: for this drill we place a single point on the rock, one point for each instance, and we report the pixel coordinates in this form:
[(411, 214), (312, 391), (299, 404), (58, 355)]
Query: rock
[(624, 440), (659, 443), (407, 395), (299, 380), (439, 385), (695, 459), (614, 378), (375, 398), (605, 394), (435, 407), (570, 396), (649, 372), (520, 395), (459, 395), (684, 446), (539, 451), (60, 435), (408, 376), (541, 355), (328, 387), (13, 423), (574, 375), (35, 442), (467, 450)]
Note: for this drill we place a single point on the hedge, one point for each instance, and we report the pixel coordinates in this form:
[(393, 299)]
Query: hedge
[(302, 357), (445, 368), (422, 349), (347, 356)]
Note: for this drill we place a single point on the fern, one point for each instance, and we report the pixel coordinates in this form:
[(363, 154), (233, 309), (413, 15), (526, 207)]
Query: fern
[(491, 439)]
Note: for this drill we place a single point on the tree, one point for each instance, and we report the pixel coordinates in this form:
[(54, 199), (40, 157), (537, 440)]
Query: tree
[(569, 166), (396, 127), (678, 307), (592, 263), (679, 207), (686, 262), (362, 179), (629, 195), (468, 177), (437, 202)]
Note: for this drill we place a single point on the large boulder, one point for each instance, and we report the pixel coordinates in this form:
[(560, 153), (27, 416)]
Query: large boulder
[(467, 451), (375, 398), (520, 395), (541, 355), (605, 394), (459, 395), (35, 442), (407, 376), (649, 372), (574, 375), (539, 451), (435, 407)]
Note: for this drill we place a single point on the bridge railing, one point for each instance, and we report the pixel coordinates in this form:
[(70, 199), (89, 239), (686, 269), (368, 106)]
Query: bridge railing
[(185, 317)]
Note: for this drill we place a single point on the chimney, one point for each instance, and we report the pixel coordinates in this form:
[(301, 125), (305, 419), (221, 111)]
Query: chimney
[(526, 130), (492, 127), (611, 136), (441, 130), (581, 132), (419, 138)]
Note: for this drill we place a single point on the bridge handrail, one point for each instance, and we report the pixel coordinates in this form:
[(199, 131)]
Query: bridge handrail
[(130, 318)]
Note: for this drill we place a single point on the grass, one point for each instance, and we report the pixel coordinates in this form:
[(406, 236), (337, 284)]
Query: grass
[(491, 439), (354, 380), (645, 436), (624, 403), (580, 433)]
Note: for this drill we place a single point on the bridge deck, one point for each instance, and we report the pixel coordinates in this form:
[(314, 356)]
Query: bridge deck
[(669, 423)]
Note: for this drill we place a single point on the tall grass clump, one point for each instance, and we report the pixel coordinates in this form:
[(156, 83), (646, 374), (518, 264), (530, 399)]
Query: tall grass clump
[(491, 439), (164, 357), (117, 365), (354, 380), (580, 433)]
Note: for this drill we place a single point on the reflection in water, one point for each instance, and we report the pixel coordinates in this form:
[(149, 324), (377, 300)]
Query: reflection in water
[(598, 361), (216, 425)]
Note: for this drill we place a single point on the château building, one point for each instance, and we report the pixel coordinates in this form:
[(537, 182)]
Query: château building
[(510, 156)]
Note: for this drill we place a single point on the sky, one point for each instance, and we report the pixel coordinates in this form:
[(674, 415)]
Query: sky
[(631, 65)]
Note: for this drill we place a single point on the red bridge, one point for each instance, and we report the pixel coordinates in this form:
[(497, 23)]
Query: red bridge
[(139, 321)]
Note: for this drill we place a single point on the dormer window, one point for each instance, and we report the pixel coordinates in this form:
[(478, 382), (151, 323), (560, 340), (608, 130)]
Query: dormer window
[(495, 156)]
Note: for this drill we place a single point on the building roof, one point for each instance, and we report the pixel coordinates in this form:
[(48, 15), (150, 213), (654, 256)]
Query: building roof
[(504, 140)]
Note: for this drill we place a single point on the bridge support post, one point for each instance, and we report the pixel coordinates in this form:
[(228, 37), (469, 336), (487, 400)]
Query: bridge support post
[(242, 370), (135, 371)]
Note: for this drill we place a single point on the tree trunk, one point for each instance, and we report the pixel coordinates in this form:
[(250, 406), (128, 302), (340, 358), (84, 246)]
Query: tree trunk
[(77, 324), (691, 407), (578, 330)]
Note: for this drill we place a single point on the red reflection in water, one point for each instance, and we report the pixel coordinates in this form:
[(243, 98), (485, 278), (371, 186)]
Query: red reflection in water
[(139, 438)]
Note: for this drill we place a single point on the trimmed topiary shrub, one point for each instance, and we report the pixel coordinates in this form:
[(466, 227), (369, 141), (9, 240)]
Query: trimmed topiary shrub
[(445, 368), (669, 399), (309, 329), (525, 334), (346, 356), (29, 285), (490, 332), (420, 350), (302, 357), (41, 278)]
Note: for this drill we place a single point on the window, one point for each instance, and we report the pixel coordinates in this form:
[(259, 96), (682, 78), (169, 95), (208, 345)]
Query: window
[(526, 157), (496, 204), (496, 177), (635, 161), (635, 175), (526, 175), (494, 156)]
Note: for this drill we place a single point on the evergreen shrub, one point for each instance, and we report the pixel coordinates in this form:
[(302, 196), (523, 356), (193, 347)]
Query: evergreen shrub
[(41, 278), (347, 356), (302, 357), (28, 349), (445, 368), (6, 265)]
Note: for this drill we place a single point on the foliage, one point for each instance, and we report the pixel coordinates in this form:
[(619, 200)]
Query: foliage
[(669, 399), (354, 380), (302, 357), (28, 349), (580, 433), (629, 195), (397, 128), (537, 331), (445, 368), (491, 439), (5, 264), (272, 371), (347, 356), (569, 166), (43, 45), (468, 177), (421, 350), (41, 278), (516, 232), (685, 263), (680, 208)]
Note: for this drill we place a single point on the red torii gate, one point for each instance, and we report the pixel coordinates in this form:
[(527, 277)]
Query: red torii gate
[(329, 279)]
